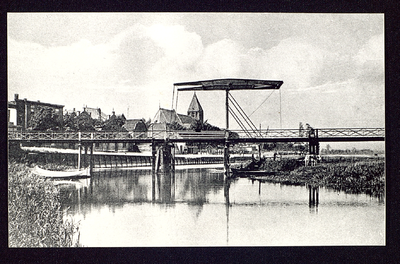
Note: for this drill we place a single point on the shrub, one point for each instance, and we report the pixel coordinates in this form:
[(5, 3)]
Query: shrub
[(35, 218)]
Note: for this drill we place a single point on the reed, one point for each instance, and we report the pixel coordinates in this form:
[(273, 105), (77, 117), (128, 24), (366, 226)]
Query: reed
[(365, 176), (35, 218), (359, 177)]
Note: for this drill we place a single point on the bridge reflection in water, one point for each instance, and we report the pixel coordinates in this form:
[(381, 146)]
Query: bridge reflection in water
[(114, 188), (191, 200)]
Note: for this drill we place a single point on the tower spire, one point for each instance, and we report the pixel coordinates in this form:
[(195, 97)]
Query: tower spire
[(195, 110)]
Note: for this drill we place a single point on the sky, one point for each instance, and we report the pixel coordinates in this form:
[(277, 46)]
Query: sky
[(331, 65)]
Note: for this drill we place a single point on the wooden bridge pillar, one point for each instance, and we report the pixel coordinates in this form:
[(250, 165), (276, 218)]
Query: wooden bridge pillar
[(85, 156), (153, 156), (91, 163), (79, 155), (313, 144), (226, 155), (166, 157)]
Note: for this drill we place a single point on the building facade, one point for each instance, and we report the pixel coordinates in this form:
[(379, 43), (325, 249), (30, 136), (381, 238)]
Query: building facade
[(26, 109)]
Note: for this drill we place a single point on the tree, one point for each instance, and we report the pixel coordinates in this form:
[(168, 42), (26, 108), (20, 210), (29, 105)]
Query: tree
[(301, 130), (45, 118), (70, 122), (198, 126), (328, 148), (176, 126), (115, 123), (84, 122), (148, 122)]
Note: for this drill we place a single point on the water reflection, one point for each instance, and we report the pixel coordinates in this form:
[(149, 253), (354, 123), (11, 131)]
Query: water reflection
[(202, 207), (313, 198), (117, 187), (227, 184)]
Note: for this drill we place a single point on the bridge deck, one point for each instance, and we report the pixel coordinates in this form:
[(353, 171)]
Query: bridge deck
[(261, 136)]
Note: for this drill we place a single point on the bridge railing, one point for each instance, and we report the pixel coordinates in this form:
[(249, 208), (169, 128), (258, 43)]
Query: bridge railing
[(271, 133), (351, 132), (320, 132), (160, 134)]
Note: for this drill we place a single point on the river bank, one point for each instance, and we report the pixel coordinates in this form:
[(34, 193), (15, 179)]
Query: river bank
[(362, 176), (35, 218)]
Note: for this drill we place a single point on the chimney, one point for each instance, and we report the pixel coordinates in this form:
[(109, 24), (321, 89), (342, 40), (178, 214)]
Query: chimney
[(16, 96)]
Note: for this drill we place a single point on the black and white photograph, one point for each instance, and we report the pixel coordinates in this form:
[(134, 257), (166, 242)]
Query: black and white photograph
[(196, 129)]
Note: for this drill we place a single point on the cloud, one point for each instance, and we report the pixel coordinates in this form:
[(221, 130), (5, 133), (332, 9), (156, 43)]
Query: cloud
[(370, 60), (137, 67), (220, 60), (293, 60), (181, 51)]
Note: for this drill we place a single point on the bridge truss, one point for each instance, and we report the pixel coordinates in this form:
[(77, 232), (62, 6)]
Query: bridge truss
[(266, 135), (228, 85)]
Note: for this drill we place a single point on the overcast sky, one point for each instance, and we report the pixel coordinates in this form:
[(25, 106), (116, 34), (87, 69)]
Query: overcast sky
[(332, 65)]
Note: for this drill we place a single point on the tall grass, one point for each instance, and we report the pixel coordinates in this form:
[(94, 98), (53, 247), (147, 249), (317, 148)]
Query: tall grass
[(366, 176), (35, 218), (359, 177)]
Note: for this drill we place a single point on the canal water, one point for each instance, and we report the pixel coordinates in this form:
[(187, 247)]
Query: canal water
[(197, 207)]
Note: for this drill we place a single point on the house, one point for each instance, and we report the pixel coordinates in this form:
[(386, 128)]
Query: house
[(136, 127), (166, 122), (25, 109), (95, 113)]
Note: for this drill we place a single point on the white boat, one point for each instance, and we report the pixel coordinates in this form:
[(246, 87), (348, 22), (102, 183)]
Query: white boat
[(61, 174), (77, 183)]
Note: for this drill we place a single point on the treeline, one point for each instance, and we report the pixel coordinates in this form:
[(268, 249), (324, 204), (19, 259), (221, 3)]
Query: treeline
[(46, 119), (348, 151), (285, 146)]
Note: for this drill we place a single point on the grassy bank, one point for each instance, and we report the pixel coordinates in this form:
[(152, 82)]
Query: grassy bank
[(353, 177), (35, 218)]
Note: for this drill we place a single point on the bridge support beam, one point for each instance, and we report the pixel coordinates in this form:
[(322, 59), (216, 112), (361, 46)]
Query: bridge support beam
[(313, 144), (313, 147), (226, 155), (91, 163), (153, 156), (163, 159), (79, 155)]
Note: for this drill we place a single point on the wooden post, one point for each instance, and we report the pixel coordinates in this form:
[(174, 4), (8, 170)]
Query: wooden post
[(227, 107), (79, 154), (153, 186), (226, 155), (157, 161), (153, 155), (91, 163), (173, 159), (85, 157)]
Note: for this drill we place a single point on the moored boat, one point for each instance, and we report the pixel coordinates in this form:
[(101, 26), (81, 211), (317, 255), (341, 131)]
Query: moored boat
[(244, 172), (61, 174)]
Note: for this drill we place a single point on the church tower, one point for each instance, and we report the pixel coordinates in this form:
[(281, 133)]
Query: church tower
[(195, 110)]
